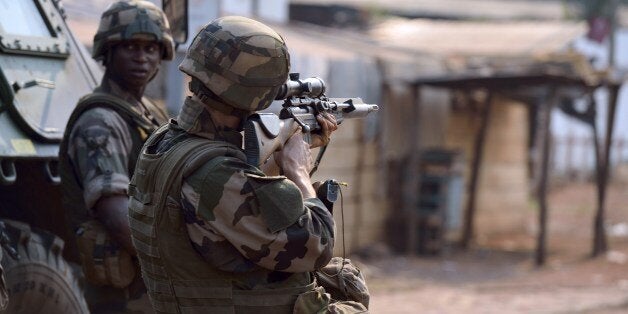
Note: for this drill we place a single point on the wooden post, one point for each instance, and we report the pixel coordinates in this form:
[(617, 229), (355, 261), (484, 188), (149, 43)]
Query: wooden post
[(569, 167), (600, 244), (411, 184), (544, 129), (480, 138), (586, 142), (619, 148)]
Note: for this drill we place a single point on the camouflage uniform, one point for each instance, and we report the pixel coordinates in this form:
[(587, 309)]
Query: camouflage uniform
[(102, 141), (100, 153), (213, 233), (103, 146), (231, 234)]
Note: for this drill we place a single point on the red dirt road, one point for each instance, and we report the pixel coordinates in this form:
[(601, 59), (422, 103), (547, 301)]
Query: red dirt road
[(490, 279)]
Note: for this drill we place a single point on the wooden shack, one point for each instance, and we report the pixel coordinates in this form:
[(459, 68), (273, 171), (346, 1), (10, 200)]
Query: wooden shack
[(374, 155)]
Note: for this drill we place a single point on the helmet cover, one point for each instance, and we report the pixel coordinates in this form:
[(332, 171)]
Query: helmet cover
[(132, 19), (240, 60)]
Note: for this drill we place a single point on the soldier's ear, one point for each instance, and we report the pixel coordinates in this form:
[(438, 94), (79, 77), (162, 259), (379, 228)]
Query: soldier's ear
[(108, 55), (111, 48)]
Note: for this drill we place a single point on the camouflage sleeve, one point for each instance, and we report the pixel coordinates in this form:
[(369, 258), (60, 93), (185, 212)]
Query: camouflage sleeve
[(238, 218), (99, 147)]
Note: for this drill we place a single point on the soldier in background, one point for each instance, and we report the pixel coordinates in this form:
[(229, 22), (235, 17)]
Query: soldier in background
[(100, 147), (214, 234)]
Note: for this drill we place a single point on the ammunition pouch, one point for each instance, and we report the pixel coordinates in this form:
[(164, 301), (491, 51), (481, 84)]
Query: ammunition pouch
[(343, 281), (104, 262)]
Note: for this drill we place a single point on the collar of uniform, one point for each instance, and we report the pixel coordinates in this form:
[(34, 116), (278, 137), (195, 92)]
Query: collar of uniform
[(195, 119), (109, 86)]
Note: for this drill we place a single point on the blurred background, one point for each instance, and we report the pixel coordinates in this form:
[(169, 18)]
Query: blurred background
[(493, 178)]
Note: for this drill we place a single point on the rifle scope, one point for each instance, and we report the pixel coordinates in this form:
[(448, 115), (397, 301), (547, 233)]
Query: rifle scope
[(312, 87)]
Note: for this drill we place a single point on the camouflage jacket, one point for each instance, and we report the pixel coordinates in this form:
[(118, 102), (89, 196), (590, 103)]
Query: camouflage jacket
[(223, 208), (101, 149)]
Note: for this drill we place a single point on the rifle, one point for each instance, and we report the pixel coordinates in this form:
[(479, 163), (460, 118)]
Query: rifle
[(266, 132)]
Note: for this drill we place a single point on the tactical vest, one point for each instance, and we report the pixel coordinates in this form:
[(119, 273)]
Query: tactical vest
[(176, 276), (140, 126)]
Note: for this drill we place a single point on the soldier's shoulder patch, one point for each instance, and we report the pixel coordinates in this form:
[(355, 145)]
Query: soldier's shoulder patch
[(209, 181), (280, 201), (92, 128), (96, 136)]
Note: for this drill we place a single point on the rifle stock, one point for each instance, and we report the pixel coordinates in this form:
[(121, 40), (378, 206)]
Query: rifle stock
[(264, 134)]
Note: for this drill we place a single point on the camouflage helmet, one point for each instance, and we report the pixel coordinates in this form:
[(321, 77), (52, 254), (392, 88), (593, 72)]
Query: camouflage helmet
[(132, 19), (242, 61)]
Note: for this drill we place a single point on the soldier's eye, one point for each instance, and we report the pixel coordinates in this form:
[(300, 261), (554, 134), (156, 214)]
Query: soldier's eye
[(130, 47), (152, 47)]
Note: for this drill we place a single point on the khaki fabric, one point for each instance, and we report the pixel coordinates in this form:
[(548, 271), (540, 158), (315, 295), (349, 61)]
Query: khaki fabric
[(344, 281), (157, 225), (104, 262), (318, 301)]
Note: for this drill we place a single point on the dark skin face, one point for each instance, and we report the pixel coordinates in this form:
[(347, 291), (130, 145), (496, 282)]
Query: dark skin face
[(133, 64)]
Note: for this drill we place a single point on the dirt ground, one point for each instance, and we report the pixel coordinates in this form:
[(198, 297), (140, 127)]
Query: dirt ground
[(500, 276)]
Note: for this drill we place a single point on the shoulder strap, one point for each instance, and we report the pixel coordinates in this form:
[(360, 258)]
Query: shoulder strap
[(104, 100), (181, 159), (159, 113), (98, 100), (190, 155)]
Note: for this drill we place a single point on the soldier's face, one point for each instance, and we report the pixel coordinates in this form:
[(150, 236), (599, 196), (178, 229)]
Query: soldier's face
[(135, 62)]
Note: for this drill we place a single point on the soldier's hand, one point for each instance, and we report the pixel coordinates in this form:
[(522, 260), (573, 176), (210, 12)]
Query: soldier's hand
[(295, 159), (328, 125), (295, 155)]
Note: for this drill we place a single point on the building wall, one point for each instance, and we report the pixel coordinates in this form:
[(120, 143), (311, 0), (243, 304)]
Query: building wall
[(434, 111), (353, 154), (503, 184), (361, 214)]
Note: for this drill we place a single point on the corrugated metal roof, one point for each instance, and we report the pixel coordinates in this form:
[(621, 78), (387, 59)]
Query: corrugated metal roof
[(459, 9), (398, 63), (470, 9), (425, 48), (468, 38)]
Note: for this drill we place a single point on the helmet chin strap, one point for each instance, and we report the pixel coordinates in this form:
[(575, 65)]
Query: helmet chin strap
[(217, 130), (242, 122), (222, 131), (213, 101)]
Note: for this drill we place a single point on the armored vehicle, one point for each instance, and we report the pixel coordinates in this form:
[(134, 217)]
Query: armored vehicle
[(43, 72)]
